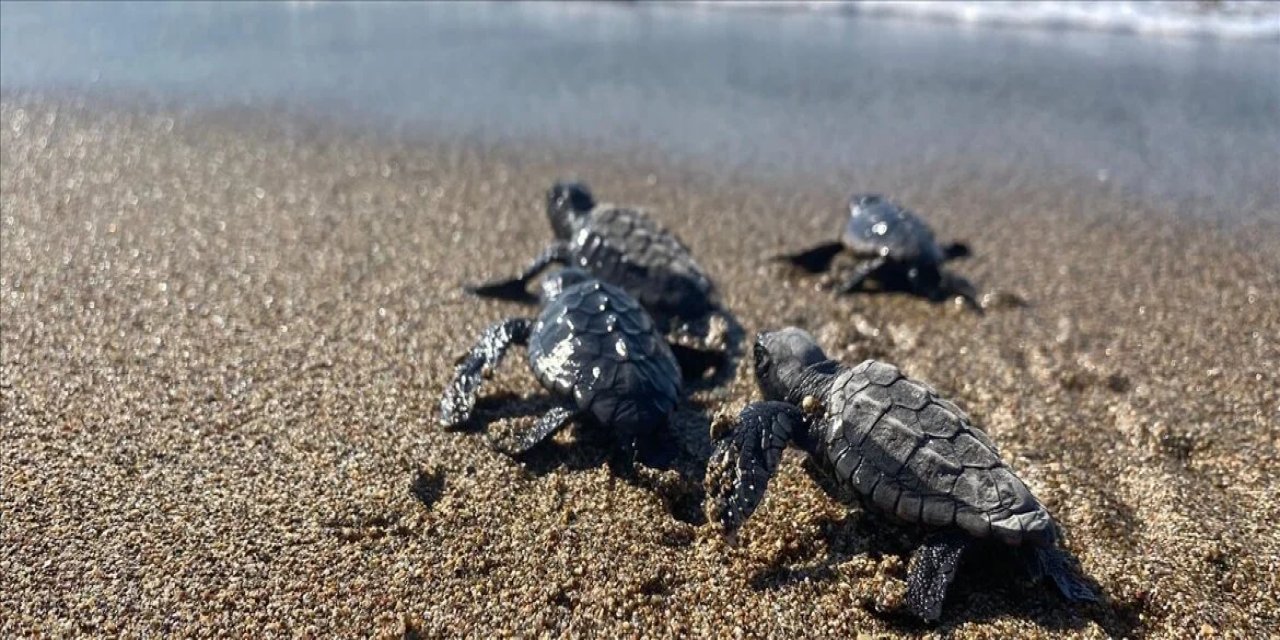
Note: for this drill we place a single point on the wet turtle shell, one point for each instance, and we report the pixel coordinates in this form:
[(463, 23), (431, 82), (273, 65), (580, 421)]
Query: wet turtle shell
[(878, 227), (626, 248), (916, 456), (594, 342)]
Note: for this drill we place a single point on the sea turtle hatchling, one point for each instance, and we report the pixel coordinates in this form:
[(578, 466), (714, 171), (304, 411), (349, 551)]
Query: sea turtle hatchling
[(876, 436), (594, 347), (626, 248), (895, 248)]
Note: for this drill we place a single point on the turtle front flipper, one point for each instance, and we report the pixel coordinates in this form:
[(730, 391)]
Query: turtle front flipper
[(956, 250), (951, 285), (933, 567), (744, 459), (815, 260), (460, 396), (860, 273), (547, 424), (517, 288)]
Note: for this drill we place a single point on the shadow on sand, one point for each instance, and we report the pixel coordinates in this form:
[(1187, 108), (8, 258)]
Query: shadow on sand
[(682, 446), (992, 582)]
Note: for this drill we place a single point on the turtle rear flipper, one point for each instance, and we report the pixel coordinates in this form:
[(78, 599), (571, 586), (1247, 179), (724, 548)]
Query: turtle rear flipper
[(1059, 567), (657, 450), (546, 425), (710, 343), (933, 567)]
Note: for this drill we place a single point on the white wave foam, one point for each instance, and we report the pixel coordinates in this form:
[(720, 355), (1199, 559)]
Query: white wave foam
[(1229, 19)]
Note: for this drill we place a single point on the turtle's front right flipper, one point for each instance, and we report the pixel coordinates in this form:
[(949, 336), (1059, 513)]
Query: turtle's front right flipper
[(744, 459), (460, 396), (517, 288), (866, 269), (815, 260)]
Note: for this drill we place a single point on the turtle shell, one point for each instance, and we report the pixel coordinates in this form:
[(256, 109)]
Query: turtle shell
[(877, 227), (628, 249), (595, 343), (916, 456)]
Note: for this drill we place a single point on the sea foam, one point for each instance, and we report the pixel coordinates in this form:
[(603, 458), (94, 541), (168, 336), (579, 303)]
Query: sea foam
[(1226, 19)]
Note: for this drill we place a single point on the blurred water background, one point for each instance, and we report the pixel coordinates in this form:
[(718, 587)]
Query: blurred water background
[(1170, 100)]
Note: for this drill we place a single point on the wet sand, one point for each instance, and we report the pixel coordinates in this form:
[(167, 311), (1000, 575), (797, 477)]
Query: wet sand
[(225, 334)]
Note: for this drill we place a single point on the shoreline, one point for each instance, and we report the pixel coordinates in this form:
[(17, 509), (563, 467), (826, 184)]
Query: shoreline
[(225, 335), (797, 93)]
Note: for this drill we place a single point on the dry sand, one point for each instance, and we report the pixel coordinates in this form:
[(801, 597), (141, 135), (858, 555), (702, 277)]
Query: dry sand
[(225, 335)]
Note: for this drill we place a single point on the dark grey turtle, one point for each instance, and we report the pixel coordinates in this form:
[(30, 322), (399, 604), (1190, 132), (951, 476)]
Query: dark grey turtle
[(627, 249), (895, 248), (876, 436), (594, 347)]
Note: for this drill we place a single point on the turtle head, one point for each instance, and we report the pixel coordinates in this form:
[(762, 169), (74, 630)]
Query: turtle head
[(780, 360), (566, 202), (555, 284)]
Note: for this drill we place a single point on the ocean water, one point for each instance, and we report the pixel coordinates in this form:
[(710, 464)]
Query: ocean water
[(839, 89)]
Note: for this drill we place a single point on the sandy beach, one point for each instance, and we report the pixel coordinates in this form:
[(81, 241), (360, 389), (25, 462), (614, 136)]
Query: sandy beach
[(225, 334)]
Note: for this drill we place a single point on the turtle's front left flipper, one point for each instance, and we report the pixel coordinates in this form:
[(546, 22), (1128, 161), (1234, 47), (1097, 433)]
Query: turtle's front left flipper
[(865, 269), (517, 288), (460, 396), (933, 567), (745, 458), (815, 260)]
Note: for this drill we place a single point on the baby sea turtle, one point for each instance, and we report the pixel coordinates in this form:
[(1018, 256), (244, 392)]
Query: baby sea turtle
[(895, 248), (594, 347), (627, 249), (876, 436)]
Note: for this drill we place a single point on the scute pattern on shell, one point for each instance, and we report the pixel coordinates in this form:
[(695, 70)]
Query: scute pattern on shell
[(627, 248), (594, 341), (883, 228), (916, 456)]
